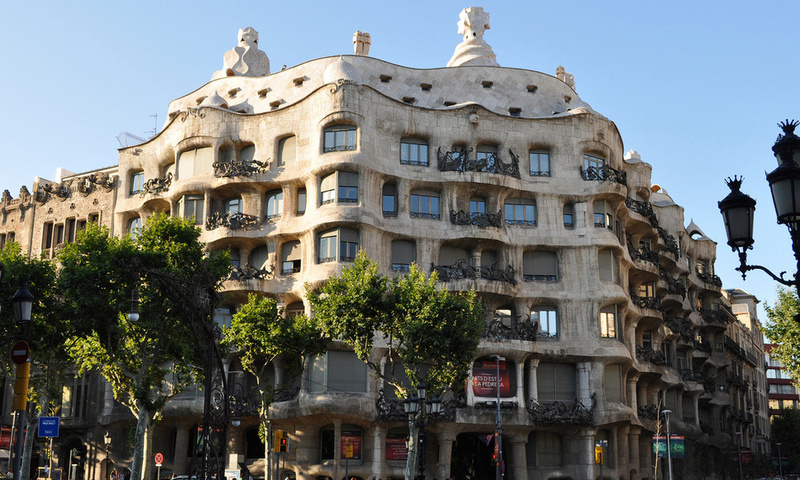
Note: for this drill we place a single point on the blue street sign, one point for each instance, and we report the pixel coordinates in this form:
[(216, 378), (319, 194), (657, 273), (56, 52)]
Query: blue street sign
[(48, 426)]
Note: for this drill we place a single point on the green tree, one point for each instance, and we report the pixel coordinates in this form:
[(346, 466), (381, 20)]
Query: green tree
[(431, 332), (46, 334), (786, 431), (266, 341), (165, 262), (783, 331)]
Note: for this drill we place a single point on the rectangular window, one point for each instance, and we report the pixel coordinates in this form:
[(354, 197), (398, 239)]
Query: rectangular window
[(404, 253), (389, 200), (520, 212), (477, 205), (591, 161), (274, 204), (327, 247), (70, 228), (348, 187), (603, 215), (539, 163), (340, 138), (540, 266), (608, 322), (425, 205), (137, 181), (414, 152), (547, 319), (569, 215), (609, 271), (301, 201), (556, 382), (232, 205), (194, 162), (290, 257), (486, 157), (47, 235), (192, 206), (612, 383), (328, 189)]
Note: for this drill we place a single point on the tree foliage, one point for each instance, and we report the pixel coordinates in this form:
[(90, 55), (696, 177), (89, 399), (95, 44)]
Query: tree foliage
[(784, 331), (434, 333), (786, 431), (167, 265)]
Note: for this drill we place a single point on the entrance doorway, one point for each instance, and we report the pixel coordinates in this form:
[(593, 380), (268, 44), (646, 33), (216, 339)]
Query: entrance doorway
[(472, 456)]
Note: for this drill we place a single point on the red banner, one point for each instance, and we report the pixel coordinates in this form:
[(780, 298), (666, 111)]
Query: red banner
[(351, 443), (484, 379), (396, 448), (5, 437)]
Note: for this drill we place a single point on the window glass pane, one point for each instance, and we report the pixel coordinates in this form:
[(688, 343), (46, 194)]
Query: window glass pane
[(608, 326), (613, 383), (346, 373), (274, 204), (301, 201), (539, 163), (316, 375)]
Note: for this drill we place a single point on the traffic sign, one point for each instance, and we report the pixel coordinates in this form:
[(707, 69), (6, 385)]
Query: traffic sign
[(49, 426), (20, 352), (159, 459)]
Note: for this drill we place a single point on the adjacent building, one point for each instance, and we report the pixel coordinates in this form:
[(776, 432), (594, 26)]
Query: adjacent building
[(603, 303)]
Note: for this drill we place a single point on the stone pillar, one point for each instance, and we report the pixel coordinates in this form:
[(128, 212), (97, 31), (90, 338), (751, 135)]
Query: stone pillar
[(533, 383), (520, 368), (446, 439), (181, 447), (630, 335), (306, 451), (584, 458), (207, 208), (584, 395), (623, 454), (633, 446), (695, 401), (244, 256), (520, 458), (641, 394), (470, 394), (645, 456), (378, 451), (632, 397)]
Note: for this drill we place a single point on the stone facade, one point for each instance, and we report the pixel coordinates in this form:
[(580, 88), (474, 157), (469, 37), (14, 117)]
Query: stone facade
[(603, 303)]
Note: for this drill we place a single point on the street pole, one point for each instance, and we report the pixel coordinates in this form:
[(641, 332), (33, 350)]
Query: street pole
[(780, 462), (498, 428)]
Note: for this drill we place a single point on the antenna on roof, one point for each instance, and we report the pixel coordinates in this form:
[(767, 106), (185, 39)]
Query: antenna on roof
[(155, 125), (125, 137)]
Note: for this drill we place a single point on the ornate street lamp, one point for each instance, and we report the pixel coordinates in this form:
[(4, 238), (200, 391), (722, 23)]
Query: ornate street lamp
[(737, 208), (421, 411), (23, 305)]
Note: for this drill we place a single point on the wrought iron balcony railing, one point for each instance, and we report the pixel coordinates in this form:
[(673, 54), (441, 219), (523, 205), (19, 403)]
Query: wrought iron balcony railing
[(233, 221), (605, 173), (483, 220), (561, 413), (239, 168), (157, 185), (460, 161), (649, 355)]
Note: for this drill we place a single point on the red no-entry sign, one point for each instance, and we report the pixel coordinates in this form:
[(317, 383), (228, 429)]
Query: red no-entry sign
[(20, 352), (159, 459)]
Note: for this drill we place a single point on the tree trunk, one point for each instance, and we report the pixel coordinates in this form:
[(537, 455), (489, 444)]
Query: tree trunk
[(142, 424), (147, 455), (413, 444), (267, 445)]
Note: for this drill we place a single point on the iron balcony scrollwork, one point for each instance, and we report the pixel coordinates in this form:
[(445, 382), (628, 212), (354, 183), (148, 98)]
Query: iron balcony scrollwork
[(521, 328), (689, 375), (249, 272), (643, 208), (709, 278), (462, 269), (495, 273), (561, 413), (649, 412), (89, 183), (714, 316), (460, 161), (605, 173), (60, 190), (645, 302), (392, 410), (286, 394), (649, 355), (670, 244), (642, 253), (478, 219), (157, 185), (239, 168), (233, 221), (682, 327), (703, 346), (675, 287)]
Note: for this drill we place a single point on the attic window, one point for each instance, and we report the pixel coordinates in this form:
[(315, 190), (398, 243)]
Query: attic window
[(449, 103), (263, 93), (531, 88), (274, 105), (409, 100), (426, 87), (567, 98), (385, 78), (200, 99), (233, 91), (514, 111), (487, 84), (298, 82)]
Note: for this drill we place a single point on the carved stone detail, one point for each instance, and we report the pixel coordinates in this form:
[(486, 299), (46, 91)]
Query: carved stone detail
[(240, 168)]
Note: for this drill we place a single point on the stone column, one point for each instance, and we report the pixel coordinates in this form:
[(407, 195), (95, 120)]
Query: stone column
[(520, 395), (633, 446), (632, 397), (695, 401), (207, 208), (584, 395), (446, 439), (519, 452), (470, 394), (641, 394), (645, 455), (584, 458), (630, 333), (378, 451), (623, 455), (181, 447), (533, 382)]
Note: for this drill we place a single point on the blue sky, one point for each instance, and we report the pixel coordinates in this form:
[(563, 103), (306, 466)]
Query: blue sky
[(697, 88)]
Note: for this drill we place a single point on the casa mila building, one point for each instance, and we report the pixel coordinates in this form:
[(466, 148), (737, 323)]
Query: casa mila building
[(600, 299)]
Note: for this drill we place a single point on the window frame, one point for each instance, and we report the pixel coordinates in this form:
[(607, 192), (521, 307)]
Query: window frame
[(409, 145), (515, 203), (389, 191), (552, 329), (542, 160), (198, 202), (273, 201), (429, 197), (137, 182), (609, 330), (348, 130)]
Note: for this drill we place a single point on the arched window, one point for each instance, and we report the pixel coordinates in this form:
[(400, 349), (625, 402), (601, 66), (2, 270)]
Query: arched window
[(191, 206), (197, 161), (287, 150), (569, 215), (134, 226), (137, 182), (340, 138)]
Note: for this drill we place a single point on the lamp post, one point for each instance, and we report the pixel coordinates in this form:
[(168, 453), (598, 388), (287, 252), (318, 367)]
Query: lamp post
[(780, 462), (498, 426), (738, 208), (420, 411), (23, 307), (739, 453), (669, 447)]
